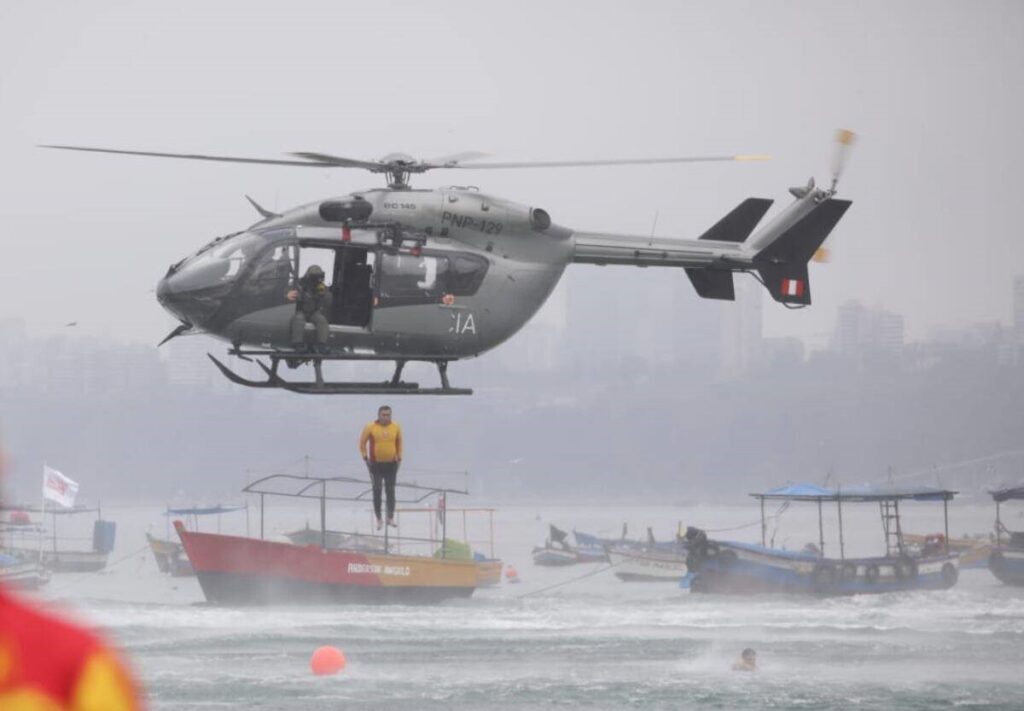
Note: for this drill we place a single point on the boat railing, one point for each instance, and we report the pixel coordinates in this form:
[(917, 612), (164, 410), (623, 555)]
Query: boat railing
[(355, 490)]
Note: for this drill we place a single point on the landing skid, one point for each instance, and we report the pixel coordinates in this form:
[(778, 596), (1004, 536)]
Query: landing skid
[(394, 386)]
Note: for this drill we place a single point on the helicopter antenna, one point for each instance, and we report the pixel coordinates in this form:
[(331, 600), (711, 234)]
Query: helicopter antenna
[(653, 227)]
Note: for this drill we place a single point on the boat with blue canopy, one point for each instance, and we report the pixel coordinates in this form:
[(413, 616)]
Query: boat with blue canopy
[(745, 568), (1007, 558), (170, 554)]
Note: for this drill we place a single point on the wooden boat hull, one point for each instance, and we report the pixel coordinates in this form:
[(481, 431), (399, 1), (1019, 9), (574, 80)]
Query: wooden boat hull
[(747, 569), (647, 566), (548, 556), (237, 570), (1007, 564), (488, 572), (64, 561), (24, 576)]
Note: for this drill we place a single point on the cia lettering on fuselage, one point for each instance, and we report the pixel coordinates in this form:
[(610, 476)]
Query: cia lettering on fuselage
[(462, 323), (465, 222)]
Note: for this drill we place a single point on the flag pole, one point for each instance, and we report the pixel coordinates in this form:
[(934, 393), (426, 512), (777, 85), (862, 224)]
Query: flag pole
[(42, 515)]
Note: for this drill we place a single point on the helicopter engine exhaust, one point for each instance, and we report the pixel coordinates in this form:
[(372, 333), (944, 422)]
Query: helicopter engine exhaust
[(540, 220)]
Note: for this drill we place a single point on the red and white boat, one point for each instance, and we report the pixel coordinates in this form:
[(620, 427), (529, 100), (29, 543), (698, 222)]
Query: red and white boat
[(246, 570)]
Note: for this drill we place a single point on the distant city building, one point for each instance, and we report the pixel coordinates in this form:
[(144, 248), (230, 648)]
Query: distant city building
[(742, 329), (15, 361), (187, 363), (865, 331), (786, 351), (1018, 307)]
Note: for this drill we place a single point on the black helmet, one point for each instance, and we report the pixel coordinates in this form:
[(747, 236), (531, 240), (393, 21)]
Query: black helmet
[(314, 272)]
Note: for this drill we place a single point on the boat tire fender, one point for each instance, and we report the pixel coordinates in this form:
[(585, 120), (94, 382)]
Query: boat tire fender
[(949, 574), (848, 572), (871, 574)]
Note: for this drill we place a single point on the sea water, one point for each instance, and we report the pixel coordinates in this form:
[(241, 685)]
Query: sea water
[(574, 637)]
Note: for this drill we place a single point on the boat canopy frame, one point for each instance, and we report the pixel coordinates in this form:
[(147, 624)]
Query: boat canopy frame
[(55, 510), (1001, 496), (887, 498), (316, 487)]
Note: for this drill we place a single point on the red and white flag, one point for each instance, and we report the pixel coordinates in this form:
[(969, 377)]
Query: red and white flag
[(793, 287), (58, 488)]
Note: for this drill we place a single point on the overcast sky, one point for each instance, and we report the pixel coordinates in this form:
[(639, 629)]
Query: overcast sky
[(932, 88)]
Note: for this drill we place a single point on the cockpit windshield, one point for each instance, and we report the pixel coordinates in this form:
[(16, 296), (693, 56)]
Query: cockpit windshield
[(220, 262)]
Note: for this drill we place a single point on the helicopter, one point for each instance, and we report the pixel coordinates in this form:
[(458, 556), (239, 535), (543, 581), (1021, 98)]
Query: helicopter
[(438, 275)]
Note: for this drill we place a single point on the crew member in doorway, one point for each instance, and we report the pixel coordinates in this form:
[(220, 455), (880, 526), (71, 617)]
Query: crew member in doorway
[(312, 303), (49, 663), (380, 446)]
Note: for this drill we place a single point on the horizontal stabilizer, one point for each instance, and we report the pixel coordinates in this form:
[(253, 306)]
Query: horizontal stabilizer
[(712, 283), (738, 224)]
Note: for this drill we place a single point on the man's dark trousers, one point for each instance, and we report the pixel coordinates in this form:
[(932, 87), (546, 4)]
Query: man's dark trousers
[(383, 475)]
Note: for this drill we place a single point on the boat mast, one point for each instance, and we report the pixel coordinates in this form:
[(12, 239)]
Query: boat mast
[(323, 510), (821, 531), (999, 527), (764, 526), (945, 520), (839, 507)]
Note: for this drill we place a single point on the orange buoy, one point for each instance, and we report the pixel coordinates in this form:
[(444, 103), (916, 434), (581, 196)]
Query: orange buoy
[(511, 574), (326, 661)]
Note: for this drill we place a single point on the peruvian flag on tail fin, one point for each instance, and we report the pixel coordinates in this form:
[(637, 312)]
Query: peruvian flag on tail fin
[(793, 287)]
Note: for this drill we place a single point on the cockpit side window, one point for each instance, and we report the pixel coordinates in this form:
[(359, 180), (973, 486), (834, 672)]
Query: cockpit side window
[(273, 274), (220, 263)]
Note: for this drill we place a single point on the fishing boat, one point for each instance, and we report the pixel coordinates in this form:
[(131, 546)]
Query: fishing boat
[(552, 554), (589, 549), (649, 561), (648, 566), (744, 568), (169, 554), (57, 554), (248, 570), (1007, 559), (556, 550)]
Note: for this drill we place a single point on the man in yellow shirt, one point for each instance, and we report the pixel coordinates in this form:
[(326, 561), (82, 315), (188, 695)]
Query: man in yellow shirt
[(380, 446)]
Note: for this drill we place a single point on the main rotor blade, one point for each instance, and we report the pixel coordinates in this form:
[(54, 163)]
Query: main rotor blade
[(192, 156), (452, 158), (619, 161), (327, 160)]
